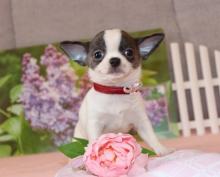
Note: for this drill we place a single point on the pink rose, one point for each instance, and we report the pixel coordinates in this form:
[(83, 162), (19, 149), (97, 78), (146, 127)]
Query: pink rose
[(112, 155)]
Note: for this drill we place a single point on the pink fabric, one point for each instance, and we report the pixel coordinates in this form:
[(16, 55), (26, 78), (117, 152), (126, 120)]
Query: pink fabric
[(184, 163)]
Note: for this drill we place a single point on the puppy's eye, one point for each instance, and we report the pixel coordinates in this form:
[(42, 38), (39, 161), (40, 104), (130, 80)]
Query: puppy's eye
[(129, 53), (98, 55)]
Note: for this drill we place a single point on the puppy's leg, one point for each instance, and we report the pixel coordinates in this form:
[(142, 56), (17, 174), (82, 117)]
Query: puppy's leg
[(78, 132), (145, 130), (94, 130)]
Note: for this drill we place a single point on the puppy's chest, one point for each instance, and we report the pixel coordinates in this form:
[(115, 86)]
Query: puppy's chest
[(117, 126), (117, 111), (112, 103), (118, 118)]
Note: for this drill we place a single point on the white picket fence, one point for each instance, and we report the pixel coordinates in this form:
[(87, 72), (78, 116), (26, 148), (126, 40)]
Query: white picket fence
[(194, 84)]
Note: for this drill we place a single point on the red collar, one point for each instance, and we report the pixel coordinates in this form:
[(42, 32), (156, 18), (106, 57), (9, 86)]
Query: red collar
[(116, 90)]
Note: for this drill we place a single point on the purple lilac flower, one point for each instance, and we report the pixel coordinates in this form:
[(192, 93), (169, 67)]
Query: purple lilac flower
[(30, 69), (156, 109), (51, 103), (146, 92)]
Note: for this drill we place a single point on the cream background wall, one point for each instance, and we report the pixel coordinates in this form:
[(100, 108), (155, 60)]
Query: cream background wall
[(30, 22)]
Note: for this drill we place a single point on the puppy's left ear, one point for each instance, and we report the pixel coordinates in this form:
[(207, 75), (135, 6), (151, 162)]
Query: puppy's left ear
[(148, 44)]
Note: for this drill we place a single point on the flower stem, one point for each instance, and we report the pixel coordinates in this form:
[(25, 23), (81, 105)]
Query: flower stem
[(4, 113)]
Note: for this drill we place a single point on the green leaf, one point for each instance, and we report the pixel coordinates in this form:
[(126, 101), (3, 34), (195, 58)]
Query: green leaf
[(4, 79), (31, 141), (12, 126), (5, 150), (73, 149), (17, 153), (147, 77), (6, 138), (147, 151), (148, 73), (149, 82), (15, 93), (1, 131), (79, 70), (15, 109), (84, 142)]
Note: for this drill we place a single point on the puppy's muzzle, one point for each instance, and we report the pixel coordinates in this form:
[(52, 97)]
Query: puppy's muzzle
[(115, 62)]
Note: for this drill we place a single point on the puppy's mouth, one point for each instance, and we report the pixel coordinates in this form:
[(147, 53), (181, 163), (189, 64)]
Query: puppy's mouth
[(115, 71), (116, 74)]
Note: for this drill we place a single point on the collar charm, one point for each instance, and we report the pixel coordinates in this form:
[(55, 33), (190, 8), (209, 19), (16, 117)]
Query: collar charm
[(133, 88)]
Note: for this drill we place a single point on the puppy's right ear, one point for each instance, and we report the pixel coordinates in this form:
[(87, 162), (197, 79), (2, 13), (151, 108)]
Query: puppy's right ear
[(77, 51)]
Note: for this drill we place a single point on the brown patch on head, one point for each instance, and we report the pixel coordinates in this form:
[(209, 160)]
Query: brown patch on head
[(97, 44), (129, 48)]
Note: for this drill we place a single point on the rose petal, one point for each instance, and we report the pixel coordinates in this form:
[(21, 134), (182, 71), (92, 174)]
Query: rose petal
[(112, 155)]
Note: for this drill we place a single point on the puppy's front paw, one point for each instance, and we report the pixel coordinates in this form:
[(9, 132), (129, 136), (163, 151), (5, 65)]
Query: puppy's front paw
[(163, 150)]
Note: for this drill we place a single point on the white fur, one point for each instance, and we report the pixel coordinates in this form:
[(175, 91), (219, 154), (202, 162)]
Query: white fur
[(102, 113), (112, 41)]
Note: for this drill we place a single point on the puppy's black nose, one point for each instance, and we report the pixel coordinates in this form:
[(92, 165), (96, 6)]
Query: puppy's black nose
[(115, 62)]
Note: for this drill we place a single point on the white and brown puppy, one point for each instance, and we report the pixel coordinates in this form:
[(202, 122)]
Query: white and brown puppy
[(114, 60)]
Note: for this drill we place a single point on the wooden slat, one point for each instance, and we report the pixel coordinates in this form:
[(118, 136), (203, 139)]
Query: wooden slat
[(217, 62), (192, 124), (196, 100), (175, 53), (210, 95), (201, 83)]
